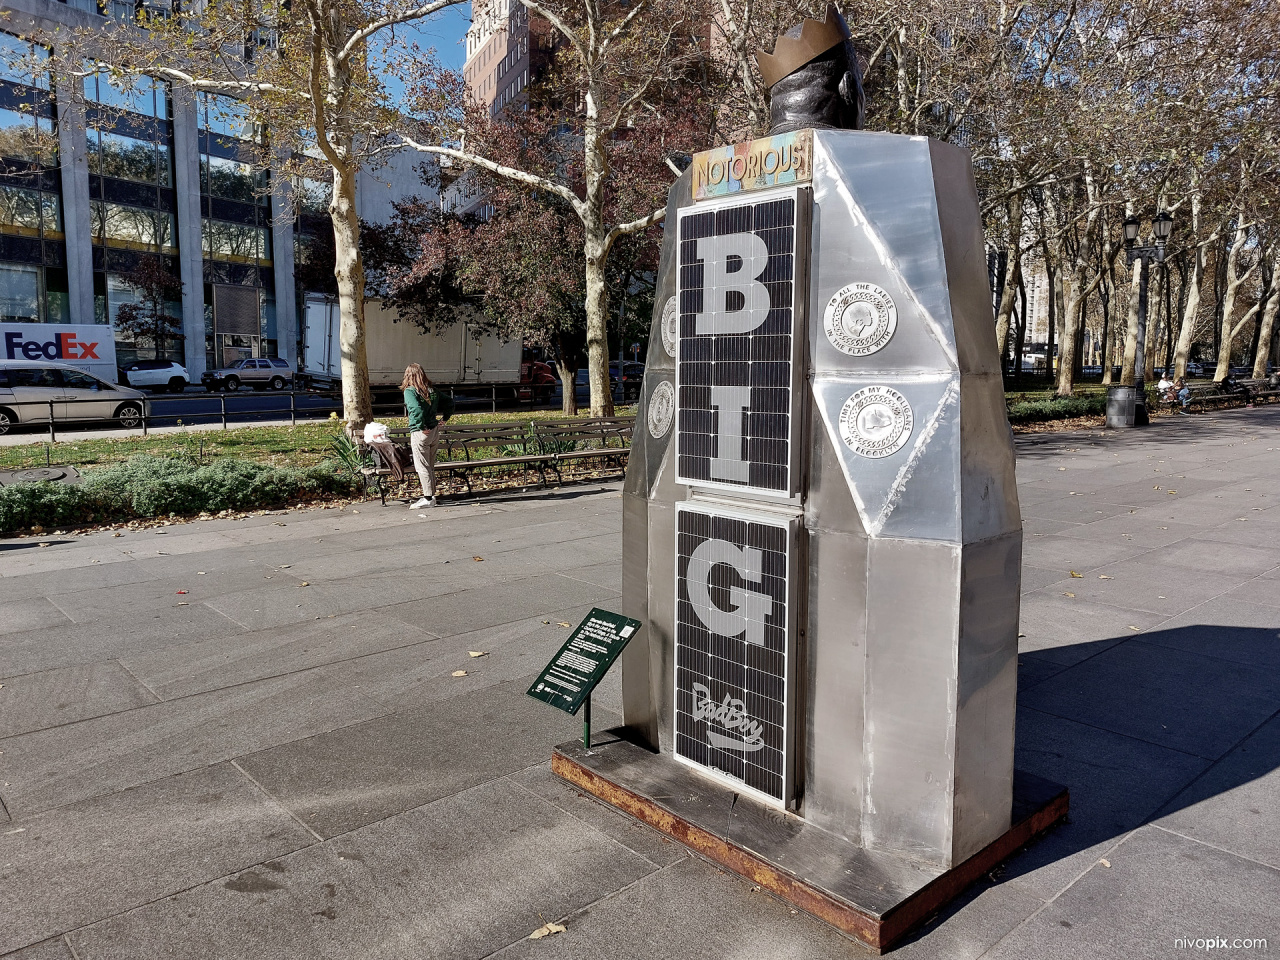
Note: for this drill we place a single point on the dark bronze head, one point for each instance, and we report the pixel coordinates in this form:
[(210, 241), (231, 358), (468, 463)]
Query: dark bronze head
[(813, 77)]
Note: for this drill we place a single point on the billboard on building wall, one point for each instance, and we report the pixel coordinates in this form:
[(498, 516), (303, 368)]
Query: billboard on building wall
[(89, 346)]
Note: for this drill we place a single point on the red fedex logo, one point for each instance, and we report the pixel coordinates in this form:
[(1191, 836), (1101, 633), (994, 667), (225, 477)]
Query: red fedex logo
[(64, 346)]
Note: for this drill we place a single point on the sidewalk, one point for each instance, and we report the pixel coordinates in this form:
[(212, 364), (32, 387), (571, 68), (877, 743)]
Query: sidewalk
[(280, 763)]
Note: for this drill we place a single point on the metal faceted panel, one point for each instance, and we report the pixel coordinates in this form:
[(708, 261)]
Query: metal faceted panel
[(733, 647), (738, 266)]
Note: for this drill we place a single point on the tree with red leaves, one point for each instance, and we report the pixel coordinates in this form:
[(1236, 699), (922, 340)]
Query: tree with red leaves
[(626, 90)]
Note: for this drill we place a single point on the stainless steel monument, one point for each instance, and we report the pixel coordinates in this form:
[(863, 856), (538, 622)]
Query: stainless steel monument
[(821, 525)]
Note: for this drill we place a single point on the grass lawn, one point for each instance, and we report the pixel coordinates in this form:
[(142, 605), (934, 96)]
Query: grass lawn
[(300, 446)]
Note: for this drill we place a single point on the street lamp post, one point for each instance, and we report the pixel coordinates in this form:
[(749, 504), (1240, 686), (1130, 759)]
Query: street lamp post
[(1161, 227)]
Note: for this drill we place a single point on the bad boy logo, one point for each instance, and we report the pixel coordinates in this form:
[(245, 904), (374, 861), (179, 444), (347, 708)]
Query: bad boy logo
[(860, 319), (731, 714), (876, 422), (662, 408), (670, 329)]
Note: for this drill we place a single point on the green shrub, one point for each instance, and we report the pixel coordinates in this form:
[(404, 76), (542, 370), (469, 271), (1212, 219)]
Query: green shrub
[(147, 486), (1057, 408)]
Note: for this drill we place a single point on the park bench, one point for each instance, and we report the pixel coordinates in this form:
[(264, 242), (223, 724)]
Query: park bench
[(1205, 396), (467, 450)]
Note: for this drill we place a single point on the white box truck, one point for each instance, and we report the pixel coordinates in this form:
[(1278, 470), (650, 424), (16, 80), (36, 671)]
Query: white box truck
[(457, 356)]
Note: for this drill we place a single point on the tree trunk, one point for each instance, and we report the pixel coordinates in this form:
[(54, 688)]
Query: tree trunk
[(1107, 293), (1020, 345), (568, 371), (1192, 307), (348, 270), (1268, 325), (1012, 269), (1235, 279), (1153, 333)]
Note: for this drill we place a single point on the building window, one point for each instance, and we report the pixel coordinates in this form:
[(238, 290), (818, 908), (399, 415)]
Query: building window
[(129, 158), (143, 98), (33, 276), (133, 228)]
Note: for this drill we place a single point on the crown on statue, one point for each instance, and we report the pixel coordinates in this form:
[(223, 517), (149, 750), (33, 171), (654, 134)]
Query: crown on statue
[(792, 53)]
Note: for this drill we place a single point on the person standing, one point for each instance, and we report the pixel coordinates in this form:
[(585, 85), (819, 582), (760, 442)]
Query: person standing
[(422, 402)]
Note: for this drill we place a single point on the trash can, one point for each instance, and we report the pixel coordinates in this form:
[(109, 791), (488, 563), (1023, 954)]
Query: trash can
[(1121, 406)]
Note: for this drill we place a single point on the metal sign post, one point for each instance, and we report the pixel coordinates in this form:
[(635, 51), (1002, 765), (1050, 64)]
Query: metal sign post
[(567, 681)]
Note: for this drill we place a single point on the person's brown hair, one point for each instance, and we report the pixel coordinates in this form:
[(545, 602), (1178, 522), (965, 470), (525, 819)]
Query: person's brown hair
[(416, 377)]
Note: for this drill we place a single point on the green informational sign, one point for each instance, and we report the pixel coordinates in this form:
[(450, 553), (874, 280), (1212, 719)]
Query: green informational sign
[(567, 681)]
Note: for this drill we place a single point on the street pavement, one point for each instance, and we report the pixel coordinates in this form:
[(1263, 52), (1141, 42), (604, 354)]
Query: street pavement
[(247, 739)]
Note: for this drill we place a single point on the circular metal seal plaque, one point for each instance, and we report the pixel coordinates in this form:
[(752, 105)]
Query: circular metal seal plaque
[(876, 422), (662, 409), (860, 319), (670, 326)]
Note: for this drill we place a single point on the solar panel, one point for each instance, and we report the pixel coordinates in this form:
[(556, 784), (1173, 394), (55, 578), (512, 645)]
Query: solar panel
[(734, 646), (739, 262)]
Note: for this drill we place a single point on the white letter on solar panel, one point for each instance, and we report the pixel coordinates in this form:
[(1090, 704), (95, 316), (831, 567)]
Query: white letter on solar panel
[(729, 403), (750, 610), (748, 255)]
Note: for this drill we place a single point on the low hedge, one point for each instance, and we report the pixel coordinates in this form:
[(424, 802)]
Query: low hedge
[(147, 486), (1058, 408)]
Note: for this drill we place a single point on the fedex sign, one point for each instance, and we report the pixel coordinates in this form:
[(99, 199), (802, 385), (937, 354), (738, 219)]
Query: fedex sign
[(91, 347)]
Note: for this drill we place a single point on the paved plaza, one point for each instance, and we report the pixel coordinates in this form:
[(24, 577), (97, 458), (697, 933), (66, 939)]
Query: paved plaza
[(248, 739)]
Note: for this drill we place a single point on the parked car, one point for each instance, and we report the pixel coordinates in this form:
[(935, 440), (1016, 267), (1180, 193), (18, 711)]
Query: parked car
[(629, 377), (159, 375), (30, 390), (582, 386), (256, 372)]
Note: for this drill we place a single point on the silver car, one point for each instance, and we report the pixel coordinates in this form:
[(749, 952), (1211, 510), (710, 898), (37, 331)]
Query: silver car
[(256, 372), (32, 390)]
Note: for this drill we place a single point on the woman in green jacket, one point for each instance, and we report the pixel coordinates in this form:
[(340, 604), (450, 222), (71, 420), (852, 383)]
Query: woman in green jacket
[(422, 403)]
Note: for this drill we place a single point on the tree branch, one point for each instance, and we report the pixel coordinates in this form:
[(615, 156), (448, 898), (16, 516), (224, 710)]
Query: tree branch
[(407, 16)]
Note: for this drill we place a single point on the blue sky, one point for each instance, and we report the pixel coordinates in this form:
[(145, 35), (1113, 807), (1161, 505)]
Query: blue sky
[(447, 31)]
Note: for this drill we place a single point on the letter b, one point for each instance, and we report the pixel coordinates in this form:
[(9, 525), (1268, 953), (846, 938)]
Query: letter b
[(751, 257)]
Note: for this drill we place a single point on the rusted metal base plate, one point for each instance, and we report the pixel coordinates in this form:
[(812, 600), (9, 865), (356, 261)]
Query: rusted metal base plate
[(875, 897)]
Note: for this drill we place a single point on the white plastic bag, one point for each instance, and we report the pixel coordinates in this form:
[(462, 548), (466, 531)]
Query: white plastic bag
[(375, 432)]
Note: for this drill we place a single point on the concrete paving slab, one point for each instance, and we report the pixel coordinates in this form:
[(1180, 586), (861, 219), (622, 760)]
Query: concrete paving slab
[(457, 879), (1158, 889), (18, 616), (1156, 491), (111, 637), (1066, 630), (49, 950), (186, 669), (94, 604), (1196, 704), (608, 575), (1142, 527), (344, 779), (1067, 553), (689, 910), (1116, 784), (413, 676), (1033, 669), (1214, 556), (50, 768), (637, 837), (88, 860), (490, 605), (1254, 531), (1228, 627), (1232, 804), (36, 701), (1084, 509), (1144, 584)]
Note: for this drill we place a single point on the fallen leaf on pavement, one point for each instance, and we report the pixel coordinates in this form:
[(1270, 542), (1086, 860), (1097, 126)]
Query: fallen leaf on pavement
[(564, 624), (1071, 595), (479, 559), (546, 931), (1105, 863), (183, 603), (304, 583), (1078, 576), (1103, 576), (459, 673), (182, 591), (478, 653)]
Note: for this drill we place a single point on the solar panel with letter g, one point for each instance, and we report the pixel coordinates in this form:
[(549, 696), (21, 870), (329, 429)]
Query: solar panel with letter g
[(733, 646)]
